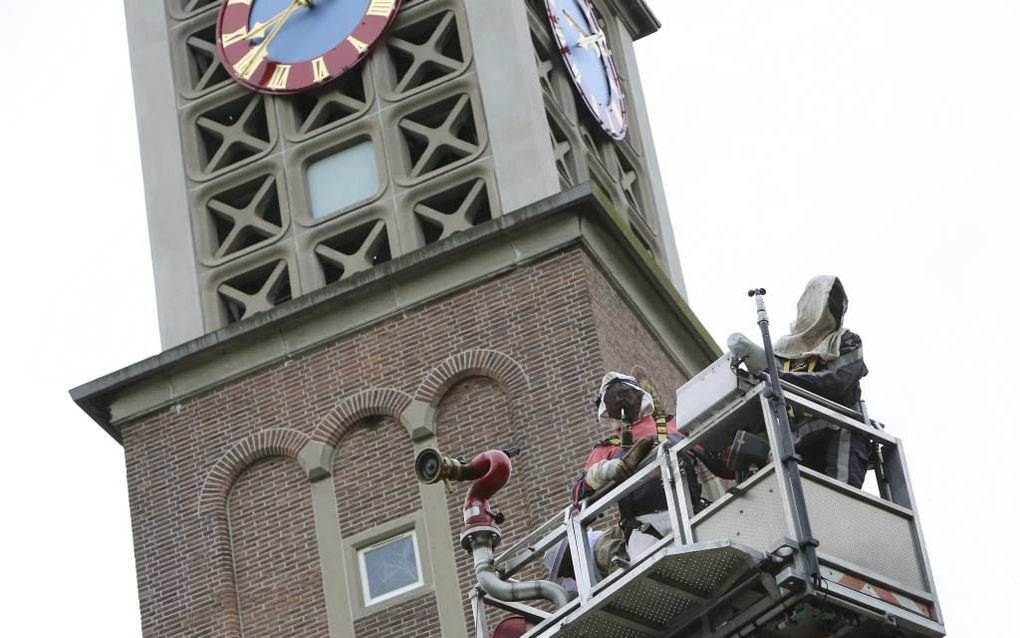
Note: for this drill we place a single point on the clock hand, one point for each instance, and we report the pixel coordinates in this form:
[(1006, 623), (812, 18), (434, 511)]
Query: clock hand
[(594, 38), (588, 39), (577, 25), (259, 28), (251, 60)]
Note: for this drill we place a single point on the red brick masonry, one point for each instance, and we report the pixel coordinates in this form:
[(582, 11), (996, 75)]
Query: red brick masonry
[(223, 524)]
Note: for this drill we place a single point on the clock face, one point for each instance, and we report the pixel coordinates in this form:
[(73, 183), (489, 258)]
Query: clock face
[(285, 46), (590, 62)]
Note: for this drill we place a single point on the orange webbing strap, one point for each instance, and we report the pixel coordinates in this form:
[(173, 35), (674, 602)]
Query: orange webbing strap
[(812, 362), (789, 408)]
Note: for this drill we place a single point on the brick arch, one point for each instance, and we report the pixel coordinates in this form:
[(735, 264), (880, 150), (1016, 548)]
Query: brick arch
[(258, 446), (212, 509), (485, 363), (373, 402)]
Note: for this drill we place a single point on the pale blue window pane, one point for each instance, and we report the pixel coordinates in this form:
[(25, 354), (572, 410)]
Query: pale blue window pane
[(390, 568), (342, 179)]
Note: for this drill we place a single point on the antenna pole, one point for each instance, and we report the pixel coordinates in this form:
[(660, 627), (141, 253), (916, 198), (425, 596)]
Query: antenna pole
[(785, 452)]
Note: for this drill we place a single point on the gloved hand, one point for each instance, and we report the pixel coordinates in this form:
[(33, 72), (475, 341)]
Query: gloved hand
[(641, 449), (752, 354), (605, 472)]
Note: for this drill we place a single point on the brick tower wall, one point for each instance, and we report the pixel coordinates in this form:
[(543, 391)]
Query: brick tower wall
[(221, 510)]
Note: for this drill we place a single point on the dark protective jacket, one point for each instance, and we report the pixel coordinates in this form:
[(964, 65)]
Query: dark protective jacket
[(825, 447), (838, 380)]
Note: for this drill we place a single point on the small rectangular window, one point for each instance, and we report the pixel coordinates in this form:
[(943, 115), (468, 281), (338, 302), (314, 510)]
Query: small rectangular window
[(342, 179), (390, 568)]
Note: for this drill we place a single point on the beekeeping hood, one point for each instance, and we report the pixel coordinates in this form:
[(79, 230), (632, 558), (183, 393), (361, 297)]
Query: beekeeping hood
[(647, 404), (819, 325)]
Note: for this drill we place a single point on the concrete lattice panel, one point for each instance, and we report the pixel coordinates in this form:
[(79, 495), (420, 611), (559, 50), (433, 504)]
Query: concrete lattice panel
[(415, 99), (418, 100)]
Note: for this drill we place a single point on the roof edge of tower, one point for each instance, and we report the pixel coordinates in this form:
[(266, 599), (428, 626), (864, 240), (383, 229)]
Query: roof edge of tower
[(638, 17), (582, 216)]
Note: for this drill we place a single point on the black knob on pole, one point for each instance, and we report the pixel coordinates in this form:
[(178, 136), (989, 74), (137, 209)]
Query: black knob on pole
[(755, 291)]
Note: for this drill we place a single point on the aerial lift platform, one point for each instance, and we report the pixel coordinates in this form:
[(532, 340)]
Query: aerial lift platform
[(787, 552)]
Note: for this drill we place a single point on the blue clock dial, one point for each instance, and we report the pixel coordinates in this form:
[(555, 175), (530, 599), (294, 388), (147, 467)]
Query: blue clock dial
[(589, 60), (580, 37), (311, 30)]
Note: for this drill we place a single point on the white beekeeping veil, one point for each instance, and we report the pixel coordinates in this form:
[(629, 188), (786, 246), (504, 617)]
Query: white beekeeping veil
[(819, 324), (647, 405)]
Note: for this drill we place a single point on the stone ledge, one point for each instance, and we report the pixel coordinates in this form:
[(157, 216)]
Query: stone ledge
[(579, 218), (638, 17)]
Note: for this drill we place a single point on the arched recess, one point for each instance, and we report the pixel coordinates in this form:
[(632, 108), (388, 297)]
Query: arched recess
[(282, 444), (483, 363), (373, 474), (477, 397), (258, 446), (372, 437), (367, 403), (273, 544), (378, 497)]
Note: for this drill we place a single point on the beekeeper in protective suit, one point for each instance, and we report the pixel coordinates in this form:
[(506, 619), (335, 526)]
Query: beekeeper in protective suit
[(637, 427), (823, 357)]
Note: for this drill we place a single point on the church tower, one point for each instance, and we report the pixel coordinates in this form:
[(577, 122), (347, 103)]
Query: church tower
[(463, 112), (376, 227)]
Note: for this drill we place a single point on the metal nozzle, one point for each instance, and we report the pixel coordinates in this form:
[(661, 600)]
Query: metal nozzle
[(431, 466)]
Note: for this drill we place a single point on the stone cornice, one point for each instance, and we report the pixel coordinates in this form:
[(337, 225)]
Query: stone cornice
[(638, 17), (577, 218)]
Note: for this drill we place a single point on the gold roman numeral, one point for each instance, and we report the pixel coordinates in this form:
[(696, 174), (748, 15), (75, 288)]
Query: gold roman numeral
[(246, 66), (381, 8), (357, 44), (320, 69), (279, 79), (234, 36)]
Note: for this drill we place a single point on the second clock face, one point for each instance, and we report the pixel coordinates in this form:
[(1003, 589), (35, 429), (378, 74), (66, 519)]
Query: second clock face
[(285, 46), (589, 60)]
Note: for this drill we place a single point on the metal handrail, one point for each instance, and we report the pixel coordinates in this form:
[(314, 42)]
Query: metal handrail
[(819, 399), (571, 523), (526, 540), (511, 562), (546, 543)]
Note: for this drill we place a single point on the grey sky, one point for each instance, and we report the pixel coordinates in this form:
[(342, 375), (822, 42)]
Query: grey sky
[(879, 141)]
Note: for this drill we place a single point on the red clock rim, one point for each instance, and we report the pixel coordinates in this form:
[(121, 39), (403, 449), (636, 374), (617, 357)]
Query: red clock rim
[(341, 58)]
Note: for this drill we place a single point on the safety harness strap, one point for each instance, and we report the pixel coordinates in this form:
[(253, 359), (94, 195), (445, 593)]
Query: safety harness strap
[(660, 429), (812, 363)]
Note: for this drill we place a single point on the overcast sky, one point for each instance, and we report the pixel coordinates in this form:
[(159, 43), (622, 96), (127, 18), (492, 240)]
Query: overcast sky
[(875, 140)]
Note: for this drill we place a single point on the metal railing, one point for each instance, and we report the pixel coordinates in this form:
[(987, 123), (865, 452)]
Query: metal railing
[(823, 500)]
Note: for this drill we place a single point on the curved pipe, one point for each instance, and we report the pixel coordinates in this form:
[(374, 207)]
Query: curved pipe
[(491, 583), (490, 471)]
